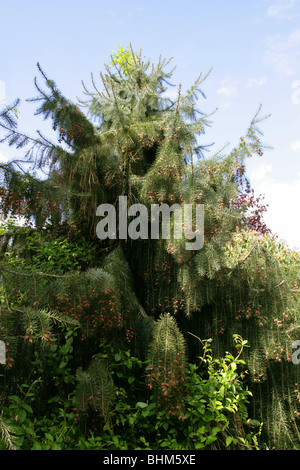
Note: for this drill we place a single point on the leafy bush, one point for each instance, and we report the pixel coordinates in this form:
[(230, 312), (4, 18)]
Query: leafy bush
[(60, 254), (214, 416)]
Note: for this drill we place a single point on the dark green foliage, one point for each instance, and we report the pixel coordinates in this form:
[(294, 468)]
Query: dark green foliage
[(95, 388)]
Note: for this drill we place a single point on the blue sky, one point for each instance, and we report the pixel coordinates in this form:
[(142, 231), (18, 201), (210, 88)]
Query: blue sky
[(253, 47)]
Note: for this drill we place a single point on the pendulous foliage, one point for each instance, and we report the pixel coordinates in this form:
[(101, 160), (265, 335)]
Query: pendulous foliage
[(152, 297)]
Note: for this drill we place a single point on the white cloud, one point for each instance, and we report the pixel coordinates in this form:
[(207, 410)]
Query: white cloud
[(283, 54), (281, 8), (228, 90), (295, 146), (260, 172), (254, 82), (171, 93), (282, 215), (2, 90), (3, 159), (294, 38), (228, 87)]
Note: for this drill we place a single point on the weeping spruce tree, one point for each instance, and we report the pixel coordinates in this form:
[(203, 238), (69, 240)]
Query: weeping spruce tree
[(152, 297)]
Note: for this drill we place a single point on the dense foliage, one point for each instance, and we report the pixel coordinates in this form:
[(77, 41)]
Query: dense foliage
[(123, 343)]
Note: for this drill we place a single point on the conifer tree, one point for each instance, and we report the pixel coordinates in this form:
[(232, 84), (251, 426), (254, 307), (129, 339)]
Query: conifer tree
[(128, 138)]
